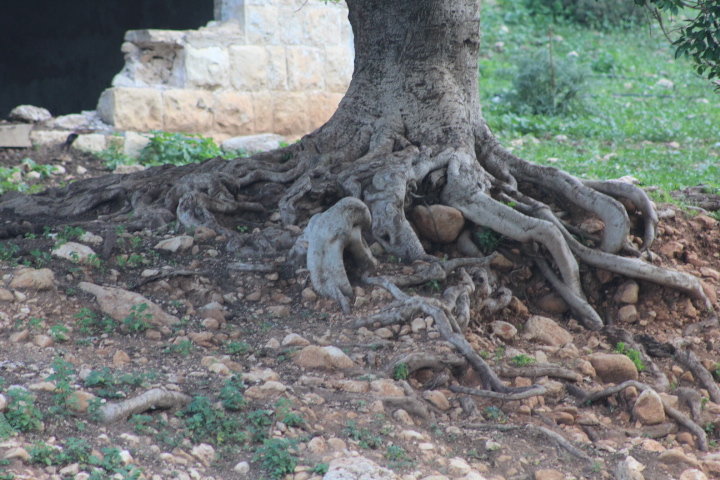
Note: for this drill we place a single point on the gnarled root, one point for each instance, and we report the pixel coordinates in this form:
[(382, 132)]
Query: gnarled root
[(155, 398), (328, 236)]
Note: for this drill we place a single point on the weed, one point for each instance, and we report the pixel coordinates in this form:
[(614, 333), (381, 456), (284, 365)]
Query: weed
[(207, 423), (495, 414), (487, 240), (21, 413), (237, 348), (8, 251), (276, 456), (286, 415), (231, 394), (397, 457), (68, 233), (522, 360), (140, 423), (401, 371), (632, 354), (63, 371), (320, 468), (178, 149), (364, 437), (92, 322), (59, 333), (40, 258), (182, 348), (137, 321)]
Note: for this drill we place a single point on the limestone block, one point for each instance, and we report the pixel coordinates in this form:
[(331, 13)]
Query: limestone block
[(15, 135), (92, 142), (207, 67), (277, 68), (321, 106), (322, 25), (338, 68), (134, 144), (248, 67), (132, 108), (306, 68), (263, 107), (293, 31), (47, 137), (187, 110), (262, 25), (233, 113), (290, 115)]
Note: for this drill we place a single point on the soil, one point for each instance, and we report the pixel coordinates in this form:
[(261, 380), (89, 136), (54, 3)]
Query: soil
[(262, 308)]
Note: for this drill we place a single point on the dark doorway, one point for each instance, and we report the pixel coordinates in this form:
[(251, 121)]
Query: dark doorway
[(62, 54)]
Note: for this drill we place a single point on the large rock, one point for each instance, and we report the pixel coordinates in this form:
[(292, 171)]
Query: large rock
[(438, 223), (613, 367), (30, 278), (75, 252), (357, 468), (629, 469), (547, 331), (118, 304), (323, 357), (29, 114), (648, 408)]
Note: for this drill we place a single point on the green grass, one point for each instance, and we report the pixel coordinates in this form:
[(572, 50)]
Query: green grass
[(627, 125)]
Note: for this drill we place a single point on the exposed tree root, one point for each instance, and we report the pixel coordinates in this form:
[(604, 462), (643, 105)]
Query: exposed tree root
[(155, 398), (554, 437), (671, 412), (539, 370), (690, 361)]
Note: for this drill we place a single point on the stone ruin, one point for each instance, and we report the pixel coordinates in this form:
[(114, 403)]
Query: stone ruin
[(261, 66)]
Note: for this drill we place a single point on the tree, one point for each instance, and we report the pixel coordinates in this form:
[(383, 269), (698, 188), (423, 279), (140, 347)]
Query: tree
[(409, 127)]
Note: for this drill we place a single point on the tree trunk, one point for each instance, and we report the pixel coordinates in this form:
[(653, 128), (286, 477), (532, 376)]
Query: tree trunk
[(409, 130)]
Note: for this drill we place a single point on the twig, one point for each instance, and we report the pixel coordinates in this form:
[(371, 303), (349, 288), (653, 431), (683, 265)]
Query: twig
[(539, 370), (546, 432), (169, 274), (507, 397), (688, 359)]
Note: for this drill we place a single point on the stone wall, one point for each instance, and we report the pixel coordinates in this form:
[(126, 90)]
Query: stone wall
[(277, 66)]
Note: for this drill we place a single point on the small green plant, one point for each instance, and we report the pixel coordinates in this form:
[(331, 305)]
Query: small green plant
[(632, 354), (364, 437), (39, 258), (545, 85), (113, 156), (231, 394), (59, 333), (140, 423), (495, 414), (21, 413), (320, 468), (178, 149), (401, 371), (277, 456), (182, 348), (138, 320), (91, 322), (522, 360), (397, 457), (8, 251), (209, 424), (68, 233), (286, 415), (237, 348), (63, 371), (487, 240)]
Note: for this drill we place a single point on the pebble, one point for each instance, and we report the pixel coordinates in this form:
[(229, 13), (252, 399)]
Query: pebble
[(437, 398), (629, 469), (43, 341), (613, 367), (6, 295), (204, 453), (294, 340), (243, 468), (627, 314), (503, 330), (267, 390), (329, 357), (120, 358), (175, 244), (547, 331), (648, 408), (30, 278), (549, 474), (628, 292)]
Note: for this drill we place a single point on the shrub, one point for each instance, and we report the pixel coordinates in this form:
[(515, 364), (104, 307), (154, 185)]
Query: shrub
[(591, 13), (545, 85)]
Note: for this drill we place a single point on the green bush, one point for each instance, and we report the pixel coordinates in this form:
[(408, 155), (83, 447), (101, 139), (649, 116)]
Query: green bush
[(545, 85), (591, 13)]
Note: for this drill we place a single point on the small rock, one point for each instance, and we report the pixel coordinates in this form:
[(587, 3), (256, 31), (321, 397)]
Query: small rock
[(273, 344), (627, 314), (665, 83), (648, 408), (629, 469), (676, 456), (294, 340), (308, 295), (261, 142), (43, 341), (211, 323), (387, 388), (317, 445), (19, 337), (204, 452), (79, 401), (175, 244), (357, 468), (417, 325), (203, 234), (30, 278), (3, 402), (549, 474), (280, 311), (552, 303), (613, 367), (685, 438), (592, 225), (671, 249), (267, 390), (242, 468), (120, 358), (437, 398), (213, 310), (6, 295), (220, 368), (17, 452), (693, 474), (29, 114), (403, 417), (384, 332), (546, 331), (438, 223), (503, 330), (323, 357), (628, 292), (91, 238), (458, 466)]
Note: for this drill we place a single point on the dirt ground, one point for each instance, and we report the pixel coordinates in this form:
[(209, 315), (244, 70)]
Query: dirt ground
[(235, 321)]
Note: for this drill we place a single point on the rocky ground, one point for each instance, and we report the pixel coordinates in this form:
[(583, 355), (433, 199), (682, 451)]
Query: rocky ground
[(259, 377)]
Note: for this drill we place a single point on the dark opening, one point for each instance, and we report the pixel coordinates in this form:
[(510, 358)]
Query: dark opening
[(62, 54)]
